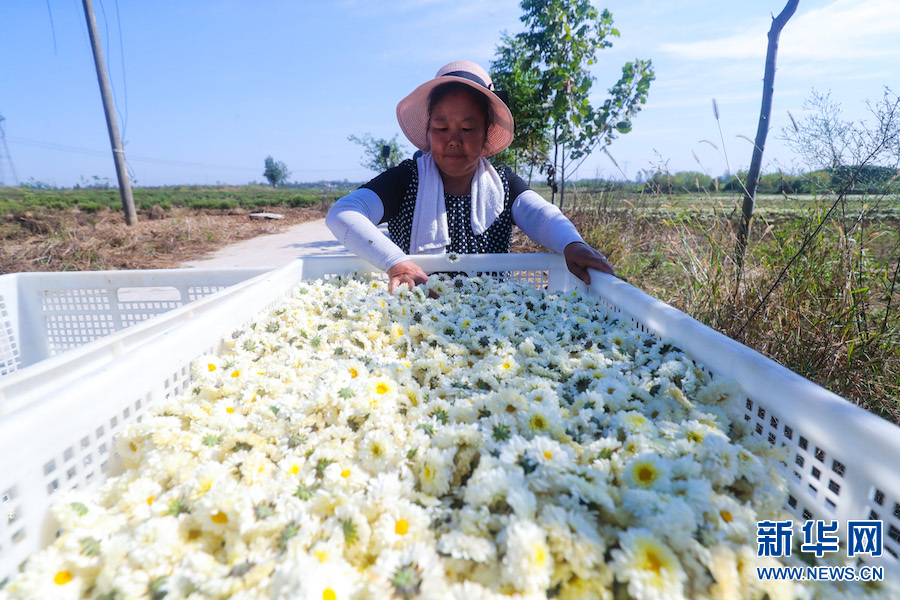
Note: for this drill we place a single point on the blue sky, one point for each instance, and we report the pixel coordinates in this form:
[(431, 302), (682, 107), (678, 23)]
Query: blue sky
[(206, 89)]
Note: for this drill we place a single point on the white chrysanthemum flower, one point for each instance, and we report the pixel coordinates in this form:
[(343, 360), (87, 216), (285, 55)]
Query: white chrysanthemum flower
[(304, 577), (412, 572), (527, 562), (467, 547), (648, 471), (78, 510), (632, 422), (649, 568), (573, 535), (155, 542), (378, 451), (49, 575), (138, 499), (695, 492), (732, 520), (719, 459), (252, 467), (203, 479), (434, 470), (401, 524), (223, 508), (540, 420), (719, 392)]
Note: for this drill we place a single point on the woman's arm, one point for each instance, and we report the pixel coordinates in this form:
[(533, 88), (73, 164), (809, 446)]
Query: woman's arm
[(353, 220), (545, 224)]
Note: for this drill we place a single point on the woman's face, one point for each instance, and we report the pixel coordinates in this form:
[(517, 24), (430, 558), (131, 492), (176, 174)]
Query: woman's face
[(456, 134)]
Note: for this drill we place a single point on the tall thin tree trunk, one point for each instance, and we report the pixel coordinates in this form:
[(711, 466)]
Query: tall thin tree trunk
[(555, 157), (762, 130), (562, 177)]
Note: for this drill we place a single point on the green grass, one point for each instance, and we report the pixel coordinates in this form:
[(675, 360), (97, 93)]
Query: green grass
[(818, 292), (20, 200)]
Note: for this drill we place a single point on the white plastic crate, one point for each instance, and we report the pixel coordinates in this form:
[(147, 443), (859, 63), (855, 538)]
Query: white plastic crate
[(841, 462), (54, 326)]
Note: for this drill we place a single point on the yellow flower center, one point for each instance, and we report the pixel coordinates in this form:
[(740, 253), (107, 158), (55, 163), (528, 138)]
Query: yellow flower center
[(345, 473), (322, 555), (726, 516), (645, 474), (132, 446), (401, 527), (328, 594), (510, 408), (295, 469), (548, 455), (382, 388), (211, 367), (150, 500), (236, 374), (353, 373), (652, 563), (230, 410), (219, 517), (62, 578)]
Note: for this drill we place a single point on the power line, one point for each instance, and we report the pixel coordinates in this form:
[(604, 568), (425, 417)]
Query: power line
[(124, 78), (52, 28), (123, 118)]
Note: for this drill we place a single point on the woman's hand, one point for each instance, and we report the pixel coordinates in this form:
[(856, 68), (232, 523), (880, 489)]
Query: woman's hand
[(406, 272), (580, 257)]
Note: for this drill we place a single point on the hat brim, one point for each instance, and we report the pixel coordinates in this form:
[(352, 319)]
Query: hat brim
[(412, 114)]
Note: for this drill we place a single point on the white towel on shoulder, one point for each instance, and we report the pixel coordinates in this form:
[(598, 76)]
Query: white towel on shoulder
[(430, 233)]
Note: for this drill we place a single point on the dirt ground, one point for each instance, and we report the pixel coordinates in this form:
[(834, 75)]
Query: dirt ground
[(79, 241)]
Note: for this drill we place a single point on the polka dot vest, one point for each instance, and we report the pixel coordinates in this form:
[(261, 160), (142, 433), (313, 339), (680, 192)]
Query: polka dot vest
[(397, 189)]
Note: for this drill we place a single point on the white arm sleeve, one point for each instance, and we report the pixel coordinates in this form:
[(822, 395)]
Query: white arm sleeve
[(353, 220), (543, 222)]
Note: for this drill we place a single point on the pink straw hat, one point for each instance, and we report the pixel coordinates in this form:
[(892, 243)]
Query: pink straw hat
[(412, 111)]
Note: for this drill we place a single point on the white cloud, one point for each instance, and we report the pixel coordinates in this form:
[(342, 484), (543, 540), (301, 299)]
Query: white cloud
[(840, 31)]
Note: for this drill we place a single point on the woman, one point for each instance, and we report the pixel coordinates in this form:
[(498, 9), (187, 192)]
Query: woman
[(450, 199)]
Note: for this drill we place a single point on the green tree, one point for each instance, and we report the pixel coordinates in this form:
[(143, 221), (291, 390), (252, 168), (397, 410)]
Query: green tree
[(375, 157), (522, 85), (276, 172), (560, 44)]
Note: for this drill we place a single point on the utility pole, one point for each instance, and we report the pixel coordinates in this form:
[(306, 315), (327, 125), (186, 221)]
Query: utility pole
[(6, 157), (109, 109)]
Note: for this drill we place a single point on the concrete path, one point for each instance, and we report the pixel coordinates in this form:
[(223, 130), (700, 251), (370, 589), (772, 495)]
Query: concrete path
[(306, 239)]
